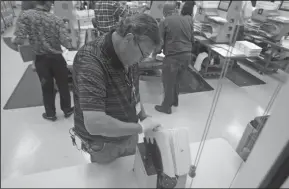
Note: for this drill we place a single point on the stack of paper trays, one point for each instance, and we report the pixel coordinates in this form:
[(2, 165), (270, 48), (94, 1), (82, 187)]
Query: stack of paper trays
[(281, 19), (210, 30), (251, 25), (227, 51), (249, 49), (160, 57), (198, 26), (218, 19), (207, 4)]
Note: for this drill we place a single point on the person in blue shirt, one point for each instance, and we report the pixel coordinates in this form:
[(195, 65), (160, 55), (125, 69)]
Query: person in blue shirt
[(177, 40)]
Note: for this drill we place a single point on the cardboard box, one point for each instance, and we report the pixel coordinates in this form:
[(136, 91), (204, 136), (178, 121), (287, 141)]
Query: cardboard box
[(26, 53), (250, 136)]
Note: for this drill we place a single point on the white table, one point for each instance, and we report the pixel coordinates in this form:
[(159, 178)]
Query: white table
[(217, 168)]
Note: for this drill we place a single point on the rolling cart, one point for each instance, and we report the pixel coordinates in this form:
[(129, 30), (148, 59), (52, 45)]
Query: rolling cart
[(265, 63)]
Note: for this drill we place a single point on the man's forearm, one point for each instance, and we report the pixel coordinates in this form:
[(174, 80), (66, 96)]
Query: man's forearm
[(102, 124)]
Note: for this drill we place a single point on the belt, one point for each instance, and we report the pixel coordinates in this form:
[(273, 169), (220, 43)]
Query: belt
[(76, 135)]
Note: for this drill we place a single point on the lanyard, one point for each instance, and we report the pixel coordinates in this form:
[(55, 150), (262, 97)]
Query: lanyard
[(130, 82)]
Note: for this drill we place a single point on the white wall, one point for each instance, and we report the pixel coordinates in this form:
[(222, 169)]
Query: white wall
[(271, 141)]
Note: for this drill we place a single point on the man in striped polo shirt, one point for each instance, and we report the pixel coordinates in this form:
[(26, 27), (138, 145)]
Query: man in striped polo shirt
[(108, 114)]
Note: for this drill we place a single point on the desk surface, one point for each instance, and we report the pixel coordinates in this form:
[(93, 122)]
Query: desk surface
[(218, 165), (273, 44), (211, 46)]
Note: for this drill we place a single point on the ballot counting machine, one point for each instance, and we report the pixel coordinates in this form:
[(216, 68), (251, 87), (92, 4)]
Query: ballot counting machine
[(163, 160), (220, 20), (268, 25), (272, 19)]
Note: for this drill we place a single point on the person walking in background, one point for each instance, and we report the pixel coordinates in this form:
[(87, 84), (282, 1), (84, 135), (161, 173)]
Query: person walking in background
[(46, 33), (177, 35), (108, 14)]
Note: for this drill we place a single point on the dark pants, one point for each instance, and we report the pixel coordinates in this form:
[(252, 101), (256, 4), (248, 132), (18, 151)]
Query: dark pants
[(172, 73), (48, 68)]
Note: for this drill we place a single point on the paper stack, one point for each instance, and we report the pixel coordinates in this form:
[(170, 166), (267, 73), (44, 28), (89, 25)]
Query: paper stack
[(210, 30), (281, 19), (227, 51), (197, 27), (252, 26), (160, 57), (208, 4), (249, 49), (270, 29), (218, 19)]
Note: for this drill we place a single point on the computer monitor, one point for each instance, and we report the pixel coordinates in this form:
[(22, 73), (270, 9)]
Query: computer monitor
[(284, 6), (224, 5)]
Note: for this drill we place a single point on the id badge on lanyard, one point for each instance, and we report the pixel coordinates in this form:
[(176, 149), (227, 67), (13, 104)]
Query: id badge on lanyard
[(137, 106), (133, 92)]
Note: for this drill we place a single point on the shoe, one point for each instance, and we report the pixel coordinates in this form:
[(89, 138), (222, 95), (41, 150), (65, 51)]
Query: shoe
[(163, 110), (176, 104), (69, 113), (50, 118)]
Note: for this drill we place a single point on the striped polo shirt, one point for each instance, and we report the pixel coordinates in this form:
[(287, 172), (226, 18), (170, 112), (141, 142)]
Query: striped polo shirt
[(102, 84)]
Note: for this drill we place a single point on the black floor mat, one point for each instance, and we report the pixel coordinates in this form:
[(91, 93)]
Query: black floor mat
[(27, 93), (243, 78), (193, 82)]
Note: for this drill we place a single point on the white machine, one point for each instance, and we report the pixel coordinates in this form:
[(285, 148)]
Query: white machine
[(163, 160), (272, 19), (218, 20)]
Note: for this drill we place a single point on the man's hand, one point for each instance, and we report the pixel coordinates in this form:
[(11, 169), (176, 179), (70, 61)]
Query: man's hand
[(142, 114), (33, 66), (149, 125)]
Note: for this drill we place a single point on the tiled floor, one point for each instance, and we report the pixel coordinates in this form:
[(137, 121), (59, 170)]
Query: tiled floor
[(30, 144)]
